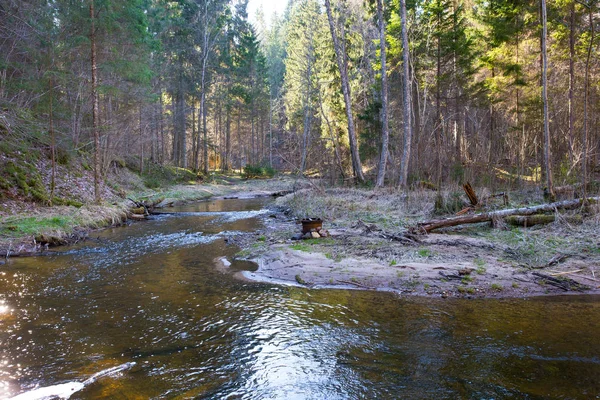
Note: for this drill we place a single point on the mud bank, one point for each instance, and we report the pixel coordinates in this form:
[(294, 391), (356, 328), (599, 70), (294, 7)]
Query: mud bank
[(443, 265)]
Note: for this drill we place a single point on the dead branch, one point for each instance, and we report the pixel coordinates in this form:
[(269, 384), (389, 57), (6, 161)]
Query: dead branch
[(470, 194)]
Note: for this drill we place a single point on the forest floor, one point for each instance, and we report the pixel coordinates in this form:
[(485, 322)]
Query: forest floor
[(363, 251)]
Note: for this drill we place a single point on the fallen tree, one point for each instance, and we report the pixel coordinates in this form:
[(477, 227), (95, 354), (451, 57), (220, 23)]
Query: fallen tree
[(428, 226)]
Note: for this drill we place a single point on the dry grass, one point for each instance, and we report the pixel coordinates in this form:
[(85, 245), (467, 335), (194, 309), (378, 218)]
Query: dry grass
[(346, 206)]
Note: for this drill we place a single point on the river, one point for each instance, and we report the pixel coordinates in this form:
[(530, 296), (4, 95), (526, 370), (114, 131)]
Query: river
[(150, 293)]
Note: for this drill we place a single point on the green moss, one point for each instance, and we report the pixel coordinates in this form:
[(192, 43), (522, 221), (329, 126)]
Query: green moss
[(26, 178)]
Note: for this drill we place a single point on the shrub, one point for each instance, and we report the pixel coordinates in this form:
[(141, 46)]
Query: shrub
[(252, 171)]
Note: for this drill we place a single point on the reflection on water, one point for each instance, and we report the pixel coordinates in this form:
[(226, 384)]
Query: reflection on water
[(149, 293)]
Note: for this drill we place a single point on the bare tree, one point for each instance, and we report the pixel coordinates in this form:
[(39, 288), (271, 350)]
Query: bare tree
[(586, 96), (95, 106), (406, 101), (342, 62), (385, 135), (547, 147)]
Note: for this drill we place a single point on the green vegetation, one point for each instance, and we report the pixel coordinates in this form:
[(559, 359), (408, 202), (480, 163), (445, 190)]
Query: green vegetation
[(258, 171), (463, 290), (425, 253), (300, 246), (497, 287)]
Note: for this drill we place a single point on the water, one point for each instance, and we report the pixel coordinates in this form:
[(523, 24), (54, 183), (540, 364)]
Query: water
[(150, 293)]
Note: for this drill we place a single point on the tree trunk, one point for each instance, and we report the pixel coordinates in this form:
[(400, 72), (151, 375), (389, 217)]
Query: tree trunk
[(52, 144), (571, 79), (270, 131), (141, 142), (385, 135), (227, 138), (438, 107), (547, 144), (406, 101), (341, 58), (204, 133), (95, 106), (584, 159), (307, 120)]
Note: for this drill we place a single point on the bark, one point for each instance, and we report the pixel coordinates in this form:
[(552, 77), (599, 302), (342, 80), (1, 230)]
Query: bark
[(52, 144), (270, 132), (440, 121), (529, 220), (227, 138), (95, 106), (428, 226), (204, 133), (342, 62), (547, 144), (385, 135), (406, 101), (141, 142), (470, 194)]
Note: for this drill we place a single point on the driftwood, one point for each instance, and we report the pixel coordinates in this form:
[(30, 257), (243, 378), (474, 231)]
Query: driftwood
[(563, 283), (428, 226)]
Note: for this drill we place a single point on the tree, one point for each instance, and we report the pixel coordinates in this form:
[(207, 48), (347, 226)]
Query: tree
[(95, 106), (547, 144), (385, 135), (342, 62), (406, 101)]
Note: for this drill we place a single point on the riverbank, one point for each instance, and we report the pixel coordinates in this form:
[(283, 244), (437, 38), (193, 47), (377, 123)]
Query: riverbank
[(367, 249), (29, 228)]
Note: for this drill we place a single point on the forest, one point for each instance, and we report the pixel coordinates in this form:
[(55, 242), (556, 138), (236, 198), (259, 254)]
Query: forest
[(384, 93), (346, 199)]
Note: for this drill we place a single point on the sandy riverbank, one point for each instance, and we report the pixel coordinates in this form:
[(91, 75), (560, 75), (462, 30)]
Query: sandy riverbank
[(475, 262)]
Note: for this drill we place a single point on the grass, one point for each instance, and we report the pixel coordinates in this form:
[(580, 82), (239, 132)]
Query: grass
[(424, 253), (497, 287), (391, 209), (463, 290), (300, 247), (57, 223)]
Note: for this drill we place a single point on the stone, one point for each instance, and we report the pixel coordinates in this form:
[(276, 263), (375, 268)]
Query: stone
[(307, 235), (297, 236), (324, 233), (315, 235)]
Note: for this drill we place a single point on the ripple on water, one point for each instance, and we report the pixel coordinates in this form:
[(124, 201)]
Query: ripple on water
[(149, 293)]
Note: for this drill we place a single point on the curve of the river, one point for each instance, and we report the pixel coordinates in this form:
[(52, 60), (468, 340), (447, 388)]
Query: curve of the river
[(150, 293)]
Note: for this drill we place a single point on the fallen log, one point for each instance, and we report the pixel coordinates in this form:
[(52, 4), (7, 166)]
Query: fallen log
[(529, 220), (563, 283), (428, 226)]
